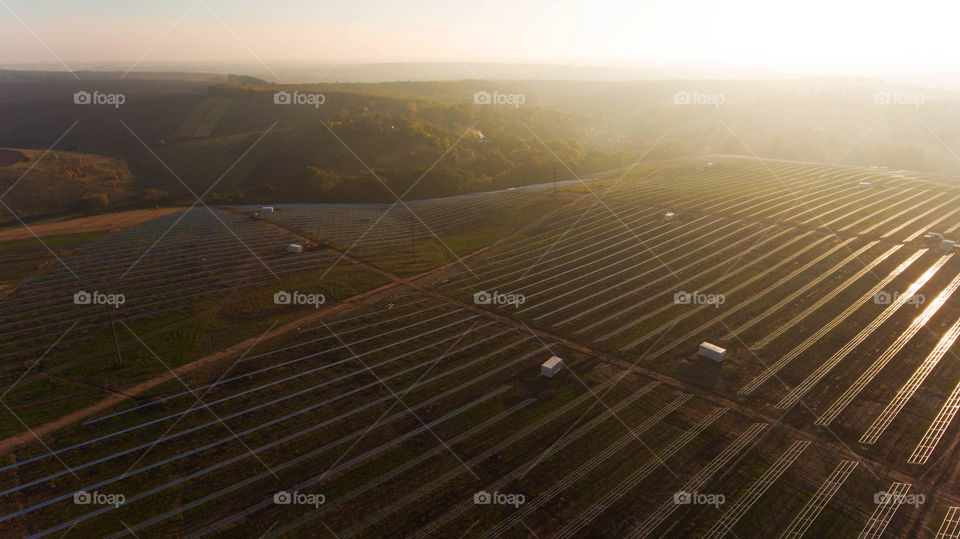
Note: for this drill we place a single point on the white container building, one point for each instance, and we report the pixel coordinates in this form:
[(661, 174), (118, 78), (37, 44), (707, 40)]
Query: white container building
[(865, 185), (712, 351), (551, 367), (268, 209), (669, 217), (295, 248)]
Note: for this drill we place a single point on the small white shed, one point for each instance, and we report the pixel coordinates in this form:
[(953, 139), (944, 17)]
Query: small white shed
[(295, 248), (947, 245), (551, 367), (865, 185), (712, 351), (669, 217), (268, 209)]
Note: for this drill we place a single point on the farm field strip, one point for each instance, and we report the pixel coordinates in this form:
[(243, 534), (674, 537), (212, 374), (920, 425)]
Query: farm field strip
[(824, 299), (910, 387), (377, 226), (932, 225), (854, 255), (144, 274), (387, 399), (176, 286), (950, 529), (635, 478), (168, 252), (892, 218), (168, 437), (767, 199), (871, 372), (814, 506), (142, 495), (242, 412), (611, 221), (924, 215), (585, 468), (730, 291), (880, 212), (358, 433), (938, 427), (642, 253), (421, 491), (603, 415), (521, 250), (695, 483), (743, 504), (580, 275), (157, 308), (835, 321), (864, 205), (172, 396), (789, 278), (848, 184), (884, 512), (558, 256), (571, 218), (366, 487), (564, 441), (754, 204), (596, 304), (617, 315), (811, 380), (826, 193)]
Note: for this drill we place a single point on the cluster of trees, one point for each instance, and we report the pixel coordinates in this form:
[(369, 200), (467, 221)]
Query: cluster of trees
[(422, 149)]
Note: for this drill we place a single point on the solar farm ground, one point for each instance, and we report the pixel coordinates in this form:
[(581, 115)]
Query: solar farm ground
[(410, 403)]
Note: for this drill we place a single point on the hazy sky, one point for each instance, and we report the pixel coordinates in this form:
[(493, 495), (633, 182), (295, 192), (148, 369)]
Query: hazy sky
[(760, 33)]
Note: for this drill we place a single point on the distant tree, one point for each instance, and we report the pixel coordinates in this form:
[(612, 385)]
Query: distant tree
[(90, 203), (318, 183), (156, 197)]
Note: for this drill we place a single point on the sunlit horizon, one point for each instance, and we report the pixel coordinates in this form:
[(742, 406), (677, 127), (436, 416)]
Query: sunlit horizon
[(853, 38)]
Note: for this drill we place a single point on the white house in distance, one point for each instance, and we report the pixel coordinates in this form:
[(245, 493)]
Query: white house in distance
[(551, 367), (669, 217), (865, 185), (295, 248), (712, 351)]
